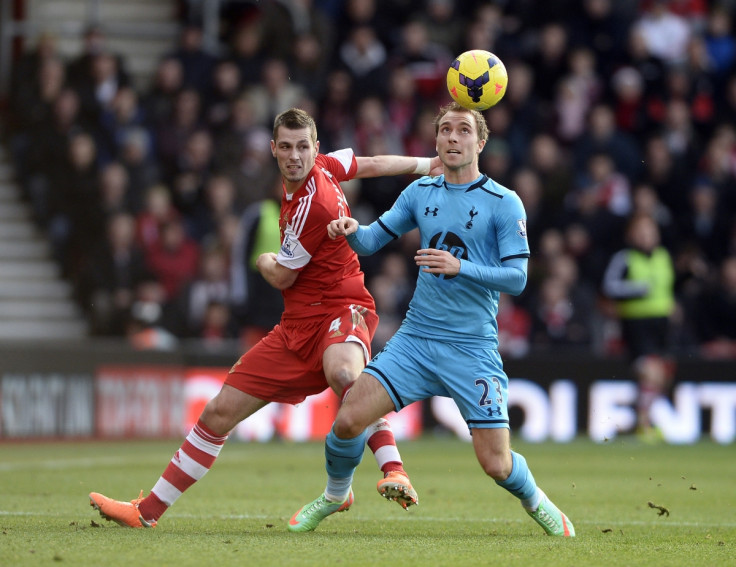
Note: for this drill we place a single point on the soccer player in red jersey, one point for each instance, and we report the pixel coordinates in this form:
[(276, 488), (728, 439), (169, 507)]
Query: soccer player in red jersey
[(324, 336)]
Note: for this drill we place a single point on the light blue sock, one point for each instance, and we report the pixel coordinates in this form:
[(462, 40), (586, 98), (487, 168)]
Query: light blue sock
[(521, 483), (342, 456)]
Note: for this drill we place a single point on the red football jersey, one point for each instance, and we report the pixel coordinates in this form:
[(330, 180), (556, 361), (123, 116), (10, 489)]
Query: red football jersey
[(329, 269)]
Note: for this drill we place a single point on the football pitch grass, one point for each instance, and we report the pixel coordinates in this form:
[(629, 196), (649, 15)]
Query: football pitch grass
[(632, 504)]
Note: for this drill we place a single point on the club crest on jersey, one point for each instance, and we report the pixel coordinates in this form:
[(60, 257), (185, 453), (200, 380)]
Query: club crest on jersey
[(472, 212), (522, 228)]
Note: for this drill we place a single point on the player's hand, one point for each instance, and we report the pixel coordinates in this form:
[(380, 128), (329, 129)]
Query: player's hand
[(436, 166), (436, 261), (341, 227)]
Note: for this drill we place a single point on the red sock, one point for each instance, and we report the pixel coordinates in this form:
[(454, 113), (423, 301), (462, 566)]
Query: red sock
[(381, 441), (189, 464)]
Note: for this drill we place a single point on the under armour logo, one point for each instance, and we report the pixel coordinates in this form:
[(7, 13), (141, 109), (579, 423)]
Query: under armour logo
[(494, 412), (472, 212), (434, 212)]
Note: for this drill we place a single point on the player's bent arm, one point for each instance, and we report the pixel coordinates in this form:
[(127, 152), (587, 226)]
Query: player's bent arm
[(274, 273), (369, 239), (509, 278), (341, 227), (377, 166)]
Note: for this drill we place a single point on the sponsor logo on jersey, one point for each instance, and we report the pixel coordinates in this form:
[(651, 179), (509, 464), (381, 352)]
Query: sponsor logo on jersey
[(287, 247), (522, 227)]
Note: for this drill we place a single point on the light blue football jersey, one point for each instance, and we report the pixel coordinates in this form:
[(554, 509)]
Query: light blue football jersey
[(483, 223)]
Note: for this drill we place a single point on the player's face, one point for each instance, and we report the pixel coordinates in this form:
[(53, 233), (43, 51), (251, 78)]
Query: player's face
[(295, 154), (457, 141)]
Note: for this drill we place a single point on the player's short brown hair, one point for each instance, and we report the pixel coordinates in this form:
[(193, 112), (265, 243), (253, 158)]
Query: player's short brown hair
[(295, 119), (480, 121)]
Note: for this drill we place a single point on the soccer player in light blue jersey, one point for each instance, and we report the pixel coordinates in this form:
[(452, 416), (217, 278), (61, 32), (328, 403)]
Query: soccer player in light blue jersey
[(473, 247)]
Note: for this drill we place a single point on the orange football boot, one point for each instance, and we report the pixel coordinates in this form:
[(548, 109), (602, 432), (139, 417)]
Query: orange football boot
[(397, 487), (125, 514)]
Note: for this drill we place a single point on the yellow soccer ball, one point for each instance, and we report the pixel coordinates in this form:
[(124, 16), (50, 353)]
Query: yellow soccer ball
[(477, 79)]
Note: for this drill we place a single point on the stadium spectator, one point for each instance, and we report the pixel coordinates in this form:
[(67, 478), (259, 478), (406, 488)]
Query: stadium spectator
[(601, 25), (577, 91), (629, 101), (97, 94), (549, 60), (26, 72), (550, 162), (254, 174), (157, 209), (194, 165), (713, 313), (324, 336), (246, 49), (426, 60), (706, 223), (402, 102), (209, 285), (74, 204), (309, 64), (172, 133), (81, 69), (603, 136), (173, 258), (558, 318), (136, 155), (274, 93), (115, 268), (146, 326), (364, 57), (219, 200), (225, 87), (336, 109), (641, 281), (159, 98), (665, 33), (444, 23), (197, 62), (720, 43), (115, 195)]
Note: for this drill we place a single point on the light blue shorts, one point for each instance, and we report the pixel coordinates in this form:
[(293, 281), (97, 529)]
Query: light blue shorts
[(413, 368)]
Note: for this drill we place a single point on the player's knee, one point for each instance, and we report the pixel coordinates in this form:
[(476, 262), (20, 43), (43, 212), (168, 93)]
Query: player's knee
[(497, 468), (347, 426), (341, 378)]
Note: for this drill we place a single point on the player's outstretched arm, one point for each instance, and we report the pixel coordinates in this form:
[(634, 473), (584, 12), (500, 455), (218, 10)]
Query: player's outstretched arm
[(341, 227), (378, 166)]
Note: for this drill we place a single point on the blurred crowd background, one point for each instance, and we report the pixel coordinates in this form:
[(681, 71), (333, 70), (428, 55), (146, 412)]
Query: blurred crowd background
[(157, 199)]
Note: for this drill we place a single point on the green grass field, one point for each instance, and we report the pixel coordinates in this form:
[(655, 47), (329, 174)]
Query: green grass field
[(237, 514)]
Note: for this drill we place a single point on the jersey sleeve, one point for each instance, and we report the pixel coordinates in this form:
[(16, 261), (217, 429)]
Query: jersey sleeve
[(400, 219), (304, 236), (341, 163), (511, 228)]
